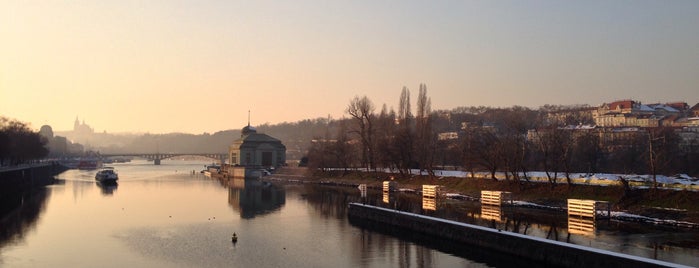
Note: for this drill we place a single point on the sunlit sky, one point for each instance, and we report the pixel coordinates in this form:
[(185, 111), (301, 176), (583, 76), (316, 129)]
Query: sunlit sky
[(199, 66)]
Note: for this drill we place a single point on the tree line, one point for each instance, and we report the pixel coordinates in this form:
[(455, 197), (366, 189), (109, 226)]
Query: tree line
[(19, 144), (510, 141)]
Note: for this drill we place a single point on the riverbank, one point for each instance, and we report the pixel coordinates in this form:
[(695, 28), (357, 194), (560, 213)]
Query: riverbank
[(666, 205), (22, 178)]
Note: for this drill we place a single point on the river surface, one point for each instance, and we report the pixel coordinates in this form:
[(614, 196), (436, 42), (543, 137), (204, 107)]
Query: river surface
[(165, 216)]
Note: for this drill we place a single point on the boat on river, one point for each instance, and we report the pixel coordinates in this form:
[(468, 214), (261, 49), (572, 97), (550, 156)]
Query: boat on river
[(107, 175)]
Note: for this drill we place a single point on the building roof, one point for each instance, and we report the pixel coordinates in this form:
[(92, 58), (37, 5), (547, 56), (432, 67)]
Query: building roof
[(681, 106), (258, 137), (646, 108), (663, 107), (254, 139), (625, 104)]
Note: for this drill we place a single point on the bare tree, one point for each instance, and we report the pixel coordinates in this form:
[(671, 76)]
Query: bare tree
[(468, 149), (487, 148), (362, 109), (662, 149), (404, 137), (555, 146), (342, 149), (385, 135), (425, 143), (587, 151)]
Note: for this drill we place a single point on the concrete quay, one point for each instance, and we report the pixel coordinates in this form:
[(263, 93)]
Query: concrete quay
[(22, 178), (537, 250)]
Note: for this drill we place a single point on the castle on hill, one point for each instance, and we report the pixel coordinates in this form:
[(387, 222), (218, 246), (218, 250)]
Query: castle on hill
[(82, 128)]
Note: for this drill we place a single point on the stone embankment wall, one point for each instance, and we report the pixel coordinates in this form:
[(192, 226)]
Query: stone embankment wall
[(17, 179), (536, 249)]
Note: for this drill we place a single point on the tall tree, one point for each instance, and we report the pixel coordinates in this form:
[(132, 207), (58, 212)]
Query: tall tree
[(385, 136), (404, 137), (362, 110), (19, 144), (425, 143)]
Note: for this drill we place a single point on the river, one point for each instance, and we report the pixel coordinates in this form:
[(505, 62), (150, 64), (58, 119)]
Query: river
[(165, 216)]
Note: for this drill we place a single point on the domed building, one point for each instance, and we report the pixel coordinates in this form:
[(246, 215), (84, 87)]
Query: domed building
[(256, 150), (46, 131)]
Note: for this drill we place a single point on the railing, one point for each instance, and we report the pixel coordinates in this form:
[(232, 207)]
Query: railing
[(496, 198)]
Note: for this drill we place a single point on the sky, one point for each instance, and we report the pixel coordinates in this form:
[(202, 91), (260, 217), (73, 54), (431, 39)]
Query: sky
[(199, 66)]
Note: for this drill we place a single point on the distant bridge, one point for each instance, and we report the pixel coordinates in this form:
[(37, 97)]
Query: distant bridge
[(157, 157)]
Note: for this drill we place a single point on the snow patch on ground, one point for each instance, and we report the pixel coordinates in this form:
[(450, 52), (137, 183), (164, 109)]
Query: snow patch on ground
[(624, 216), (534, 205), (674, 182)]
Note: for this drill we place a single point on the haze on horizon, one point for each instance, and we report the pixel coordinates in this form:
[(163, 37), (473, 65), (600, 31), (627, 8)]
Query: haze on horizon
[(199, 66)]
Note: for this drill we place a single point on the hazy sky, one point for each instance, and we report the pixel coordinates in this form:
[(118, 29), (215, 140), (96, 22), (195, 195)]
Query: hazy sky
[(199, 66)]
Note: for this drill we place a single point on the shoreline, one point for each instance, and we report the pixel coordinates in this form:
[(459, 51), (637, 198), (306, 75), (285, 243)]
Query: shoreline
[(638, 205)]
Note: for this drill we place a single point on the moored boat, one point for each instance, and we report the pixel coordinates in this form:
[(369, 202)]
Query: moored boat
[(81, 163)]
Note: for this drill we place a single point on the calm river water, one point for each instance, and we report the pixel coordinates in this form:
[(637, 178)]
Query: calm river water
[(163, 216)]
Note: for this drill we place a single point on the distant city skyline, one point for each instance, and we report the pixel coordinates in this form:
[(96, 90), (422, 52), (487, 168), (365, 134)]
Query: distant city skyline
[(199, 66)]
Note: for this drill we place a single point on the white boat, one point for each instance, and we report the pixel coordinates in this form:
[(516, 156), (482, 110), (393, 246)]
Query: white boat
[(107, 174)]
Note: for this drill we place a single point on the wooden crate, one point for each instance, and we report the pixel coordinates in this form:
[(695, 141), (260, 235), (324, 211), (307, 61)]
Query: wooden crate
[(496, 198), (430, 191), (587, 208)]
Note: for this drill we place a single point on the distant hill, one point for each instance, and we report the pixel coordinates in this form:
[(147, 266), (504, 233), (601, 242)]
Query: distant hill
[(296, 136)]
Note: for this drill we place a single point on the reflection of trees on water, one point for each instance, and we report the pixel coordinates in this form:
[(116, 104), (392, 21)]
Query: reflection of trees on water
[(331, 201), (414, 248), (366, 245), (370, 241), (19, 213), (253, 197)]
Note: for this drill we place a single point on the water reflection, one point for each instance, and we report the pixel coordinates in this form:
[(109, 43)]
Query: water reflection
[(107, 188), (636, 239), (429, 203), (19, 214), (253, 197), (389, 198), (309, 228), (367, 247), (363, 190), (581, 225), (493, 213)]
